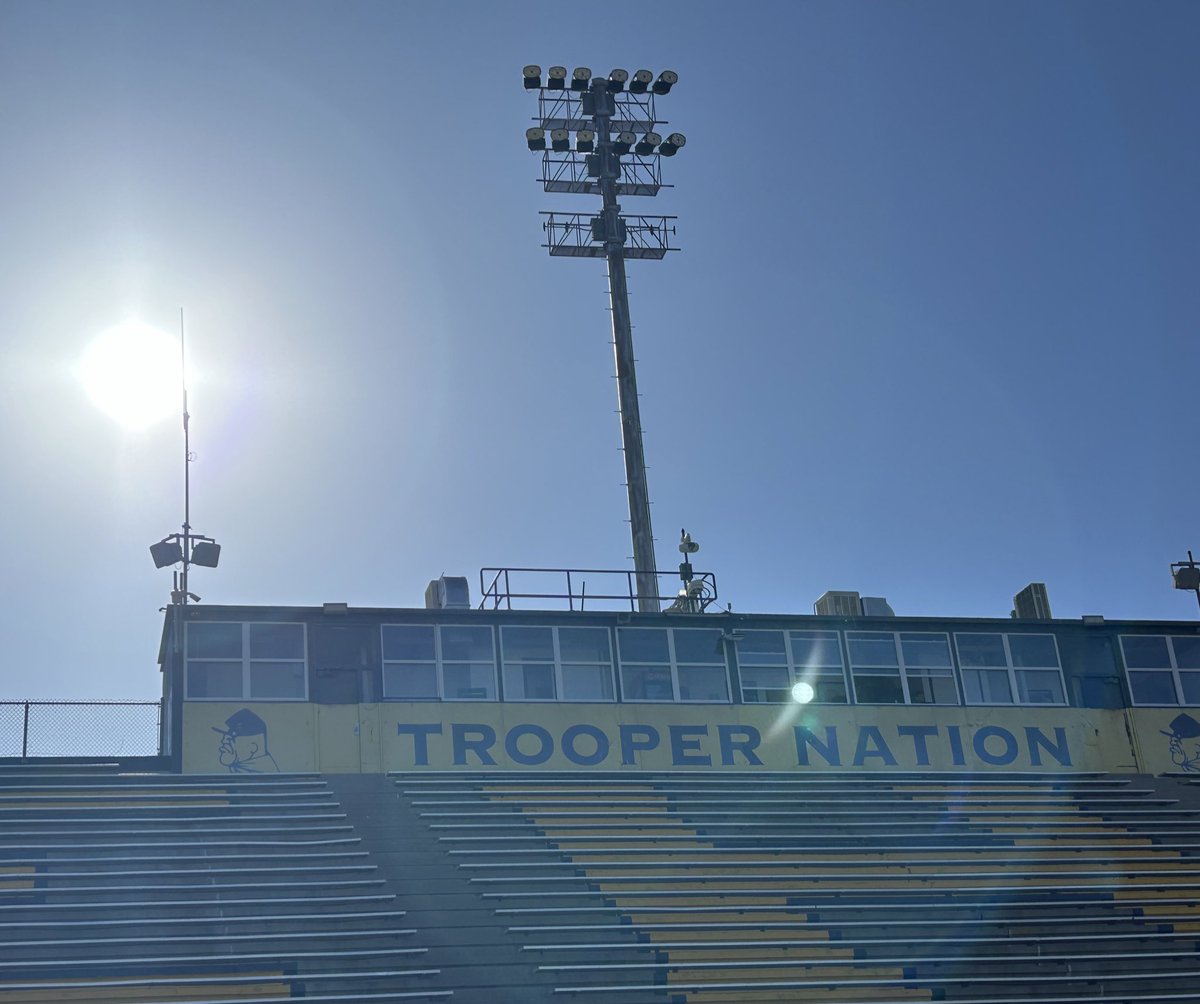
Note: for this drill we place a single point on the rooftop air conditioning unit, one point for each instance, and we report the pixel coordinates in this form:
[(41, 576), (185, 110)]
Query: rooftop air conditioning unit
[(449, 592), (836, 603), (1032, 603), (876, 606)]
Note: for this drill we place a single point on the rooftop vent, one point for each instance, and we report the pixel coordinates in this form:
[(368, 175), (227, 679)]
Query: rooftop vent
[(1032, 603), (449, 592)]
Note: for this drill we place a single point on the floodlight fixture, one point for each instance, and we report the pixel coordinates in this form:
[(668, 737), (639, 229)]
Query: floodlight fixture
[(666, 80), (617, 79), (166, 552), (647, 144), (560, 140), (535, 138), (533, 77), (640, 82), (1187, 575), (672, 144), (556, 78), (206, 553), (624, 143), (580, 78), (585, 141)]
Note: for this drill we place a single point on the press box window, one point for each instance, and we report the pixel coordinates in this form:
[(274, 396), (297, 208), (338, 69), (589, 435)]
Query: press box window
[(234, 661), (1010, 669), (556, 664), (424, 662), (772, 662), (1162, 669), (673, 664), (901, 667)]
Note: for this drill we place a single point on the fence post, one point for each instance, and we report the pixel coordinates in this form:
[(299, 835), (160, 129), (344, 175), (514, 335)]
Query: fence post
[(25, 735)]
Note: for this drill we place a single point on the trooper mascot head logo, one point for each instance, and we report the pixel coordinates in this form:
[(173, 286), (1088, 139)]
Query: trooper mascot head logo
[(1184, 744), (243, 746)]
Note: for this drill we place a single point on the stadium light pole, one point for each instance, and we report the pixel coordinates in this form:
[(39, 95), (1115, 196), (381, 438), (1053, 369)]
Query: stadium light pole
[(617, 152)]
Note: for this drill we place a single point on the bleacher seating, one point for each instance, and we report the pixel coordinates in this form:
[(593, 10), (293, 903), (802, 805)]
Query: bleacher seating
[(833, 887), (124, 887)]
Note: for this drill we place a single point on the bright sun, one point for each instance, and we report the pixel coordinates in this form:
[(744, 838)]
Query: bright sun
[(131, 372)]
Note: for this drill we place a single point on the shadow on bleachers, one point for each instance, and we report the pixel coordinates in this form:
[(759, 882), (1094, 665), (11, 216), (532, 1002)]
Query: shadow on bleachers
[(129, 887)]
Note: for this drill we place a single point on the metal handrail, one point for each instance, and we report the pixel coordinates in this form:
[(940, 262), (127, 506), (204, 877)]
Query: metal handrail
[(498, 591)]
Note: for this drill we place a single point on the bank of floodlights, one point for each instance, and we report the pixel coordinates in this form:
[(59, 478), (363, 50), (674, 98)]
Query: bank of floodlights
[(617, 151)]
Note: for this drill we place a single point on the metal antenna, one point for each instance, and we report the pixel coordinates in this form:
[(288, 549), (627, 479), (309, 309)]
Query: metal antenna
[(185, 548), (610, 123)]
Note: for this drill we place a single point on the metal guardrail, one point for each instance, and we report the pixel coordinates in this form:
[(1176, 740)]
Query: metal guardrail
[(79, 728), (515, 588)]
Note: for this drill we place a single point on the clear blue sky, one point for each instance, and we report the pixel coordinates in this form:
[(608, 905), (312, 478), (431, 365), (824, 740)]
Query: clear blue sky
[(932, 334)]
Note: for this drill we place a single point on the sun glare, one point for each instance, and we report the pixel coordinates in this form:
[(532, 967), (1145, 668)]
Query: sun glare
[(131, 372), (803, 692)]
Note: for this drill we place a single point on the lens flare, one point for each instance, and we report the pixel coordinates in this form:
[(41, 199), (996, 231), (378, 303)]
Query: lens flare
[(131, 372)]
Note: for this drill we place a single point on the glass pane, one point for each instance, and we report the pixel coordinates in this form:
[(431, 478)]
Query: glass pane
[(647, 683), (408, 641), (276, 641), (693, 645), (528, 681), (587, 683), (1191, 687), (871, 649), (764, 696), (766, 676), (878, 689), (1187, 652), (584, 645), (1146, 652), (410, 681), (703, 683), (643, 645), (979, 650), (467, 644), (986, 686), (526, 643), (469, 681), (762, 648), (277, 680), (1039, 686), (816, 648), (931, 689), (926, 650), (1032, 650), (1152, 688), (829, 691), (214, 679), (214, 641)]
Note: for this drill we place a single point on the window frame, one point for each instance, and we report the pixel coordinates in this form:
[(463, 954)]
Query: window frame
[(439, 663), (673, 665), (559, 664), (903, 668), (794, 668), (1012, 671), (1173, 669), (245, 661)]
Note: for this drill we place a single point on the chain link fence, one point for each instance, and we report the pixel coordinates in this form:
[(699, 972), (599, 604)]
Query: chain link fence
[(79, 728)]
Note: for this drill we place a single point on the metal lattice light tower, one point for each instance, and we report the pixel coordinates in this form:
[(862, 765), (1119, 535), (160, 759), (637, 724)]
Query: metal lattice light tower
[(617, 151)]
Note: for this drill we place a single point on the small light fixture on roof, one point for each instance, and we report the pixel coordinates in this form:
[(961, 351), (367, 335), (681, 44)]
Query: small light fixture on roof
[(166, 552), (556, 78), (666, 80), (535, 138), (580, 78), (532, 75), (640, 82), (206, 553)]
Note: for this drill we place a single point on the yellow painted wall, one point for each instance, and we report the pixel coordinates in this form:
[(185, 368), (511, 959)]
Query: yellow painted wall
[(466, 736)]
